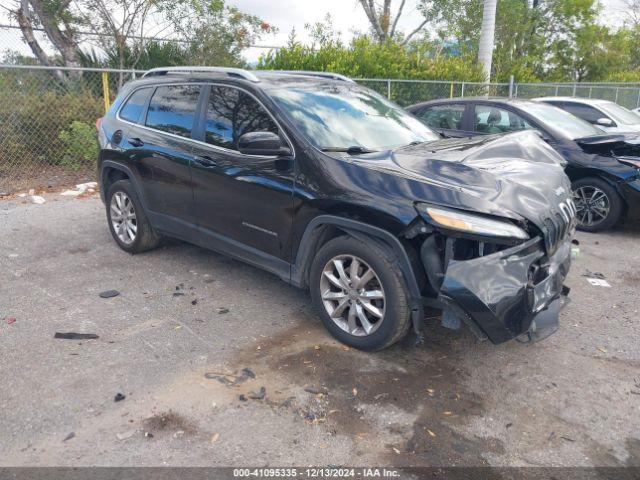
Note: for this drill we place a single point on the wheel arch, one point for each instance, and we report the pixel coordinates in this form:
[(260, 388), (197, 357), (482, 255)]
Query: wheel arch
[(112, 172)]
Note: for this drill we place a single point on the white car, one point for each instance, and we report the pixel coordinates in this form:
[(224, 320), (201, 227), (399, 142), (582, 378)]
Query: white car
[(609, 116)]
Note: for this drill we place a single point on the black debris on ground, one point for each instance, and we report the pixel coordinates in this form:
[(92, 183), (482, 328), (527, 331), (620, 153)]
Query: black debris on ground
[(119, 397), (109, 294), (259, 395), (75, 336)]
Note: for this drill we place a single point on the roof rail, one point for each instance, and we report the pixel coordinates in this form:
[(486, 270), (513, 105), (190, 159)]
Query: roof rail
[(236, 72), (334, 76)]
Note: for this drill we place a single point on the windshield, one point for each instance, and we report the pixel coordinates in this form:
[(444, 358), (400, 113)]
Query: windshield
[(560, 120), (619, 114), (343, 116)]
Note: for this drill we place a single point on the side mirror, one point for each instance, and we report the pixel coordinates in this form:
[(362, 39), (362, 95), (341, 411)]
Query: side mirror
[(605, 122), (262, 143)]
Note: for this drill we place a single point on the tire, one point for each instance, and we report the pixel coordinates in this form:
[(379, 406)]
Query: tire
[(122, 197), (594, 197), (377, 332)]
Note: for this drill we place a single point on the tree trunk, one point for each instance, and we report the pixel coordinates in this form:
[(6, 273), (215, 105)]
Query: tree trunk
[(485, 52)]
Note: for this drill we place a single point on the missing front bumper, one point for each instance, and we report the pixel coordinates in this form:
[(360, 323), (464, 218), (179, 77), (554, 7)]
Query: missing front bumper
[(496, 294)]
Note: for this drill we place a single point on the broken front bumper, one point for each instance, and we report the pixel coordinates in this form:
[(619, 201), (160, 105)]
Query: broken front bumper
[(510, 293)]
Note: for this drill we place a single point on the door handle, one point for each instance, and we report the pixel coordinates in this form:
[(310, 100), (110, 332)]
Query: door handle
[(136, 142), (205, 160)]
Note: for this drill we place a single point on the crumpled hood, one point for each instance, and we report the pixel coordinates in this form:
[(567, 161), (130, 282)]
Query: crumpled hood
[(517, 172), (621, 144)]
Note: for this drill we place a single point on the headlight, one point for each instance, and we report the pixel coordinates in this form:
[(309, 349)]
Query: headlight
[(470, 223)]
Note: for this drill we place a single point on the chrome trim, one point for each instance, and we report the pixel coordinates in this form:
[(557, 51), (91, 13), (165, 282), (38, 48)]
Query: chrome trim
[(198, 142), (188, 69), (311, 73)]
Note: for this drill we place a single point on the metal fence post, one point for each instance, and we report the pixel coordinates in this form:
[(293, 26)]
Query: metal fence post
[(389, 88), (574, 90), (617, 92), (511, 79), (451, 91), (462, 90), (638, 100), (105, 91)]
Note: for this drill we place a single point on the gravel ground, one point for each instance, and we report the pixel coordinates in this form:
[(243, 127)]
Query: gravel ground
[(188, 321)]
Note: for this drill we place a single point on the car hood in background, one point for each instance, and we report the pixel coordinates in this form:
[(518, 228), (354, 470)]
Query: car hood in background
[(516, 173)]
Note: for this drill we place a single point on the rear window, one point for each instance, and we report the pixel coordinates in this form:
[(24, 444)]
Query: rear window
[(132, 108), (172, 109)]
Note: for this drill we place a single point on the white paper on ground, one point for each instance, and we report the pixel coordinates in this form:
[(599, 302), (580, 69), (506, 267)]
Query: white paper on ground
[(598, 282)]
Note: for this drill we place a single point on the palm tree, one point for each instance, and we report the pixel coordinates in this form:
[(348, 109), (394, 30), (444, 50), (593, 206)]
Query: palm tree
[(485, 51)]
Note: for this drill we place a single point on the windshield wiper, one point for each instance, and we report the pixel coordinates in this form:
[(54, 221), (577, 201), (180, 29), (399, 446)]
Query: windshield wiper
[(352, 150)]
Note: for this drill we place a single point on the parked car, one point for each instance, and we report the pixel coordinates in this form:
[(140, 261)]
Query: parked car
[(603, 168), (609, 116), (333, 188)]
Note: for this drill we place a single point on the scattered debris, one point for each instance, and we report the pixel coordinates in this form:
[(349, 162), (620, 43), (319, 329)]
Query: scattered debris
[(209, 280), (75, 336), (148, 435), (568, 439), (194, 301), (223, 310), (125, 435), (431, 433), (10, 320), (178, 434), (594, 275), (37, 199), (551, 436), (178, 294), (575, 241), (109, 294), (215, 437), (89, 187), (508, 425), (119, 397), (396, 450), (69, 437), (231, 379), (259, 395), (315, 390), (598, 282), (602, 349), (354, 391), (242, 398)]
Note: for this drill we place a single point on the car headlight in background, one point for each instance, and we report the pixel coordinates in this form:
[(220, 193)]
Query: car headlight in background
[(470, 223)]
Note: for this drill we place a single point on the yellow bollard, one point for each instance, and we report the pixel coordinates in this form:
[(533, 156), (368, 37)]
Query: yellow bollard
[(451, 92), (105, 91)]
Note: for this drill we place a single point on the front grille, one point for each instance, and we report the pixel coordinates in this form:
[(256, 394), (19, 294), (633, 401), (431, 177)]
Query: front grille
[(559, 224)]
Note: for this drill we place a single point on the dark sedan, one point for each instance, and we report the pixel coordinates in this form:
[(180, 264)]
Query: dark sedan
[(604, 169)]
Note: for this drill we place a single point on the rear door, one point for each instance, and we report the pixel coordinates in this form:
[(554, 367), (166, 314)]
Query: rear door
[(448, 119), (491, 119), (244, 198), (162, 147)]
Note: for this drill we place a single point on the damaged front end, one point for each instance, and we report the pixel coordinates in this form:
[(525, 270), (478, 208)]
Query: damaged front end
[(503, 279)]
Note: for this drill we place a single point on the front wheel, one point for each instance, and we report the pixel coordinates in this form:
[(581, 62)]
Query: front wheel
[(598, 205), (359, 293)]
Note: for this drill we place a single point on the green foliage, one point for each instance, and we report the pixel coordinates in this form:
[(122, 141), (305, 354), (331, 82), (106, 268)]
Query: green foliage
[(364, 58), (215, 33), (34, 110), (81, 146)]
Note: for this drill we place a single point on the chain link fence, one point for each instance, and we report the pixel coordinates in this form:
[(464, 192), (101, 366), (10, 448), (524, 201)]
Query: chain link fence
[(47, 115)]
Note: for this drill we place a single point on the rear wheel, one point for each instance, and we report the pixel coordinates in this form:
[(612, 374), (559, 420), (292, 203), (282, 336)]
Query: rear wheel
[(598, 205), (127, 221), (360, 294)]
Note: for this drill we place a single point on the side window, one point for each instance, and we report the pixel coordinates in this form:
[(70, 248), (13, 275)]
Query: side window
[(172, 109), (584, 112), (132, 108), (232, 113), (490, 119), (443, 116)]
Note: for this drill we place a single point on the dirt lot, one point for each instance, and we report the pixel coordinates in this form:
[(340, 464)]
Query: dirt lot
[(185, 317)]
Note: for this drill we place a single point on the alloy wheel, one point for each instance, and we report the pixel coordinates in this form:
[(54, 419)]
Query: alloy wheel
[(123, 218), (592, 205), (352, 295)]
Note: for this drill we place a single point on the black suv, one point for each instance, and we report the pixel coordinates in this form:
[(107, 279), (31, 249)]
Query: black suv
[(333, 188)]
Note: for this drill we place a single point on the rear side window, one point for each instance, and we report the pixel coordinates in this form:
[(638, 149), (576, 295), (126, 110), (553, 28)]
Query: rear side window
[(133, 107), (172, 109), (584, 112), (232, 113), (443, 116)]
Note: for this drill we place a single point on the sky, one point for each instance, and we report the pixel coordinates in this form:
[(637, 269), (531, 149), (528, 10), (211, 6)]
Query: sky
[(347, 16)]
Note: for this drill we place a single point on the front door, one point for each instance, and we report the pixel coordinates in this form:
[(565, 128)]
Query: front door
[(245, 198)]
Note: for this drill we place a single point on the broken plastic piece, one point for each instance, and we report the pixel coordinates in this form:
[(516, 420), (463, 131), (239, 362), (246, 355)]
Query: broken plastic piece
[(75, 336)]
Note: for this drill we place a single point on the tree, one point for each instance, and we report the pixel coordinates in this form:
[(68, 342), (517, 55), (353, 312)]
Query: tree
[(119, 27), (215, 34), (485, 50), (384, 23), (58, 23)]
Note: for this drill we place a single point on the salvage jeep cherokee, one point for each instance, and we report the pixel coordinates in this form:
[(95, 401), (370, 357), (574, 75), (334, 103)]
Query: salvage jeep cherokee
[(333, 188)]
